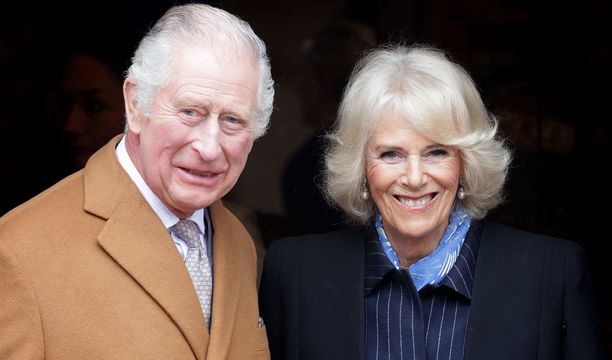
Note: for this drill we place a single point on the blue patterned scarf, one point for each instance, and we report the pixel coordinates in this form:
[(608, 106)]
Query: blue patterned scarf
[(432, 268)]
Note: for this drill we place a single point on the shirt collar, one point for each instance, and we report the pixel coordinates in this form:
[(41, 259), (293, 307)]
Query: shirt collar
[(377, 264), (459, 279), (166, 216), (461, 276), (432, 268)]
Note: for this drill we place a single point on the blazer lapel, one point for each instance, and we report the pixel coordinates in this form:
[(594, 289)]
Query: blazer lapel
[(140, 244), (338, 327), (504, 312), (227, 275)]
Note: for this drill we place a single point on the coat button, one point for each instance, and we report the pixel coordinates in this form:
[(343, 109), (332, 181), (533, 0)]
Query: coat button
[(563, 326)]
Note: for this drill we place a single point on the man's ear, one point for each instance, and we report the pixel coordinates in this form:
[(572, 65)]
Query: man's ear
[(133, 116)]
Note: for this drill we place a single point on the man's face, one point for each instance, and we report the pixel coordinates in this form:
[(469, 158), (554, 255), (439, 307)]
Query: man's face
[(195, 143)]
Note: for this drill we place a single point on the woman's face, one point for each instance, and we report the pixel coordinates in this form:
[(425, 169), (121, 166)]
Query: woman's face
[(94, 110), (412, 180)]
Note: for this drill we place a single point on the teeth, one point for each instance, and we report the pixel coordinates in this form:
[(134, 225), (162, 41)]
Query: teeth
[(198, 173), (415, 203)]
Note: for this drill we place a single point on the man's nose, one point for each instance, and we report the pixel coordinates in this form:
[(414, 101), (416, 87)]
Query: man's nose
[(207, 139)]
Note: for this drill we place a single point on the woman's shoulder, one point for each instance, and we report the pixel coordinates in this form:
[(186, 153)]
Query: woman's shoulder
[(337, 240), (511, 253), (511, 237)]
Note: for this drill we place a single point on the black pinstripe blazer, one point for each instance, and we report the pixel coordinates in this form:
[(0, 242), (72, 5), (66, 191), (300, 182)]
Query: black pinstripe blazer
[(532, 298)]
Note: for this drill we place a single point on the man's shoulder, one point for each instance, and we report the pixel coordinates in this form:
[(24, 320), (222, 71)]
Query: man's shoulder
[(42, 220), (53, 201)]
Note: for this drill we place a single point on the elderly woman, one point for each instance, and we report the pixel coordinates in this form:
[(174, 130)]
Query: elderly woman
[(416, 162)]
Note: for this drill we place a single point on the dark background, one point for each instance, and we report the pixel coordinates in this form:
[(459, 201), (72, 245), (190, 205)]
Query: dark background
[(543, 68)]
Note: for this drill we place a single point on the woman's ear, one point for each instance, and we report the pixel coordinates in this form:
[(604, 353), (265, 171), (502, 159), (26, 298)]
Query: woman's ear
[(133, 116)]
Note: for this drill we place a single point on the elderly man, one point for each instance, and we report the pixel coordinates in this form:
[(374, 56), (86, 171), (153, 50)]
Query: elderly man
[(135, 256)]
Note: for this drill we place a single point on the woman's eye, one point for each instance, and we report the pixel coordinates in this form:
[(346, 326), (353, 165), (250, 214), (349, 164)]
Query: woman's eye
[(438, 153), (389, 155)]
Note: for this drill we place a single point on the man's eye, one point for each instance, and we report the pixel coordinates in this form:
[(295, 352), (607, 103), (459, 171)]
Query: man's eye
[(189, 112), (234, 121)]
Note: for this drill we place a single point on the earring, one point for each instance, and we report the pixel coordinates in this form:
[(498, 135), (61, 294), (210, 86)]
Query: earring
[(461, 193), (365, 194)]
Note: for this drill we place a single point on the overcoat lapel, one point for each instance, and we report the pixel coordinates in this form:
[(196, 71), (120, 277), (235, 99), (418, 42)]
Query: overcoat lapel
[(137, 240), (228, 274)]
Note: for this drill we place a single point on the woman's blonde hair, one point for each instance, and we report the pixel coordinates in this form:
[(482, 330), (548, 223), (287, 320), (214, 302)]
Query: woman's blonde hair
[(439, 99)]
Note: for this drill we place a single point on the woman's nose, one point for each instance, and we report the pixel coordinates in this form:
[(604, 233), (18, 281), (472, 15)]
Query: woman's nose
[(413, 172)]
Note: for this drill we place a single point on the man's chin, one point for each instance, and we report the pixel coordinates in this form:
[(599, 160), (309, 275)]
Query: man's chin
[(193, 203)]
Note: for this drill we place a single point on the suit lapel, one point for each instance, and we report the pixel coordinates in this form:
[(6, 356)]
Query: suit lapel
[(227, 272), (137, 240)]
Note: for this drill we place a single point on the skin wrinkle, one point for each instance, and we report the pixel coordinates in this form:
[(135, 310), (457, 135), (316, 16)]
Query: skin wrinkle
[(401, 162), (189, 150), (205, 99)]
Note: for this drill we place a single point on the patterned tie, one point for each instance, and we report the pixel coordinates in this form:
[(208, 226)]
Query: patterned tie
[(197, 264)]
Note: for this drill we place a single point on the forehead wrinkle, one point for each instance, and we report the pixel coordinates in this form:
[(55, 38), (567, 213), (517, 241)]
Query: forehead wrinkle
[(210, 98), (381, 139)]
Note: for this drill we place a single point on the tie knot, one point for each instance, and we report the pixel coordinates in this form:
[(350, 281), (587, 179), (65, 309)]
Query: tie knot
[(189, 232)]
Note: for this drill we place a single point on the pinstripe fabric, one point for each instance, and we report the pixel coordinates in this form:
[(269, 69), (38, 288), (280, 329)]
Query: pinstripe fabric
[(403, 324)]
